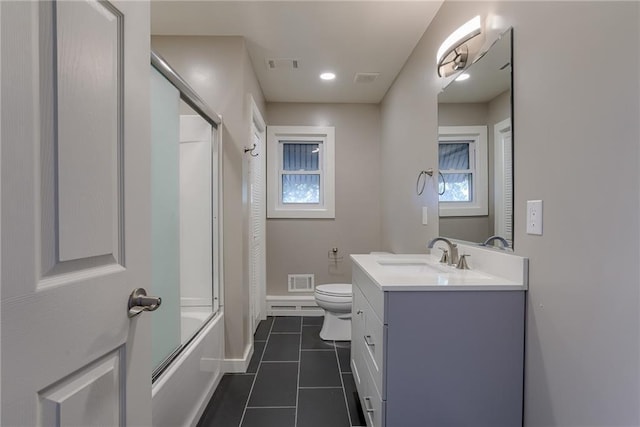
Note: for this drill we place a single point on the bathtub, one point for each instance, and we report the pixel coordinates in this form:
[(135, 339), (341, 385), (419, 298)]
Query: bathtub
[(181, 393), (191, 319)]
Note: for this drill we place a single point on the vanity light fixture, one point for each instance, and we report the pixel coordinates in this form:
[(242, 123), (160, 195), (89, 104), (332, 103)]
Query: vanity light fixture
[(327, 76), (453, 52)]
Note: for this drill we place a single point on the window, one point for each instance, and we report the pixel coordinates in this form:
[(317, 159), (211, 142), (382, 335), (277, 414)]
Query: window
[(300, 165), (462, 161)]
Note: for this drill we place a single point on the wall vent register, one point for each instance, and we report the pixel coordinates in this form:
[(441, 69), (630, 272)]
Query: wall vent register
[(301, 282)]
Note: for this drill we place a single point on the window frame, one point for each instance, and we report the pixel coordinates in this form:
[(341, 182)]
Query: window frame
[(325, 136), (478, 206)]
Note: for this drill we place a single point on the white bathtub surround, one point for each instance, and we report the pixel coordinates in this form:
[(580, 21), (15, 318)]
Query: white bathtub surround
[(191, 320), (180, 394), (196, 223)]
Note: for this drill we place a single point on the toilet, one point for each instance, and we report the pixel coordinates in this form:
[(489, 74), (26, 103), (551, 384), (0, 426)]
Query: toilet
[(335, 299)]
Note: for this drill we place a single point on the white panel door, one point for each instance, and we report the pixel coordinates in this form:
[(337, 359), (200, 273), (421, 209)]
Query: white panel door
[(75, 215), (257, 218), (503, 180)]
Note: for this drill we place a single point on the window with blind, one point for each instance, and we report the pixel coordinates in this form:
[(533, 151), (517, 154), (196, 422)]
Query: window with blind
[(463, 178), (300, 163)]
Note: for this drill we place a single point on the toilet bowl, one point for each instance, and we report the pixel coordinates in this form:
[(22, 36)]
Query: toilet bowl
[(335, 299)]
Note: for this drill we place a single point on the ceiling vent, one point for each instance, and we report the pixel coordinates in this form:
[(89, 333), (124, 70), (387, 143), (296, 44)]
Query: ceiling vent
[(282, 63), (365, 77)]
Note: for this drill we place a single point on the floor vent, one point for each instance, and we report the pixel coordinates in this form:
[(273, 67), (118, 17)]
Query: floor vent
[(300, 282)]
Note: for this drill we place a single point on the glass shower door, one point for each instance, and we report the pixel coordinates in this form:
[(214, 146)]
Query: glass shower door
[(165, 225), (184, 223)]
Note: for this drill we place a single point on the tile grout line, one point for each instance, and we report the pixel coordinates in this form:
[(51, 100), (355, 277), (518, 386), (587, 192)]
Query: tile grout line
[(295, 424), (246, 405), (322, 388), (271, 407), (344, 390)]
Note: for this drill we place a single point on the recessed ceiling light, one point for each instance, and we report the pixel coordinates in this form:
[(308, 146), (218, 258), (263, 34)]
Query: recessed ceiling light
[(462, 77), (327, 76)]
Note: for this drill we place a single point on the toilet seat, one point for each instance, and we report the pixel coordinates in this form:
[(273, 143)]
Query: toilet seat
[(334, 290)]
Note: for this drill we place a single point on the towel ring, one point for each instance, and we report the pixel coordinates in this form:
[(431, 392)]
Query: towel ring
[(420, 185), (444, 184)]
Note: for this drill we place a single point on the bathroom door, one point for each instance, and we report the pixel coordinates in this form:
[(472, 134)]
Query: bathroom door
[(75, 192), (257, 219)]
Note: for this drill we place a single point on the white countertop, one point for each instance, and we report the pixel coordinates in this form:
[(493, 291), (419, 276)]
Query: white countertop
[(420, 272)]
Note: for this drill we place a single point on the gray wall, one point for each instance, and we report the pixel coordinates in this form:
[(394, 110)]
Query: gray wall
[(301, 245), (219, 70), (577, 148)]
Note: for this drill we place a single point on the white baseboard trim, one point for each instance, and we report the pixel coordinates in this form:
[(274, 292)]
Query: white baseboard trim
[(286, 305), (239, 366)]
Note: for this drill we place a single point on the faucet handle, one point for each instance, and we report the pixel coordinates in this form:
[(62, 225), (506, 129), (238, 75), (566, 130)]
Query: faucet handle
[(462, 262), (445, 256)]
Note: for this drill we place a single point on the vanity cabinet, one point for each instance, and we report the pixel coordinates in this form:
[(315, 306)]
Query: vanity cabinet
[(437, 357)]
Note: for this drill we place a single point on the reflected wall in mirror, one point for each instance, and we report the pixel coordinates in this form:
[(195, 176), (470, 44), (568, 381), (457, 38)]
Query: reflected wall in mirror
[(475, 149)]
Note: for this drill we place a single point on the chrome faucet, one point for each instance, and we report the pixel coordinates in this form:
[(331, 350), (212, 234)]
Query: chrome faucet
[(453, 251), (490, 240)]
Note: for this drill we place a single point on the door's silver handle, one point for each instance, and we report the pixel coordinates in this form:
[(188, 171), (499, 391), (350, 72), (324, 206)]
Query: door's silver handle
[(369, 407), (369, 340), (139, 302)]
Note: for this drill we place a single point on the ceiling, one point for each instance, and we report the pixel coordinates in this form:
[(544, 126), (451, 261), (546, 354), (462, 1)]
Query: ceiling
[(345, 37)]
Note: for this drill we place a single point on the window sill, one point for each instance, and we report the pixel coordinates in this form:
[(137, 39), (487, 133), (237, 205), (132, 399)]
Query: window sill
[(469, 210), (302, 213)]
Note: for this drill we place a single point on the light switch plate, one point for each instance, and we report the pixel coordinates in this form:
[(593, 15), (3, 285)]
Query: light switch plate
[(534, 217), (425, 218)]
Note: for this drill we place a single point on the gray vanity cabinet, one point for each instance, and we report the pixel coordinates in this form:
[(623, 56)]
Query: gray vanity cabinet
[(437, 358)]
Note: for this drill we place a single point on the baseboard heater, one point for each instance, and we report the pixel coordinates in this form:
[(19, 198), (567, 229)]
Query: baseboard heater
[(285, 305)]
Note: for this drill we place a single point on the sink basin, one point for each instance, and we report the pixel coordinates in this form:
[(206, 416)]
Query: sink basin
[(403, 261), (409, 265)]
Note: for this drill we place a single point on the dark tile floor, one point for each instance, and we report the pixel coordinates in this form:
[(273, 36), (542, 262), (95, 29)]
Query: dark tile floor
[(294, 379)]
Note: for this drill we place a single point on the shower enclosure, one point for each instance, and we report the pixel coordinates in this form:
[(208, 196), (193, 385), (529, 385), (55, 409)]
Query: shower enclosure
[(185, 222)]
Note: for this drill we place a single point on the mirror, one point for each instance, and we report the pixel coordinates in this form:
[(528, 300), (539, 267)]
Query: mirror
[(475, 149)]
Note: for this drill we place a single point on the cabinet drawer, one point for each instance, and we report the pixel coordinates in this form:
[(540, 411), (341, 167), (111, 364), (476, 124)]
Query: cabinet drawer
[(372, 404), (374, 345), (367, 337), (370, 290), (359, 305)]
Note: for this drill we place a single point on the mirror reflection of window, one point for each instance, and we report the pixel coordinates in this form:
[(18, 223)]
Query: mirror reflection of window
[(456, 181)]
